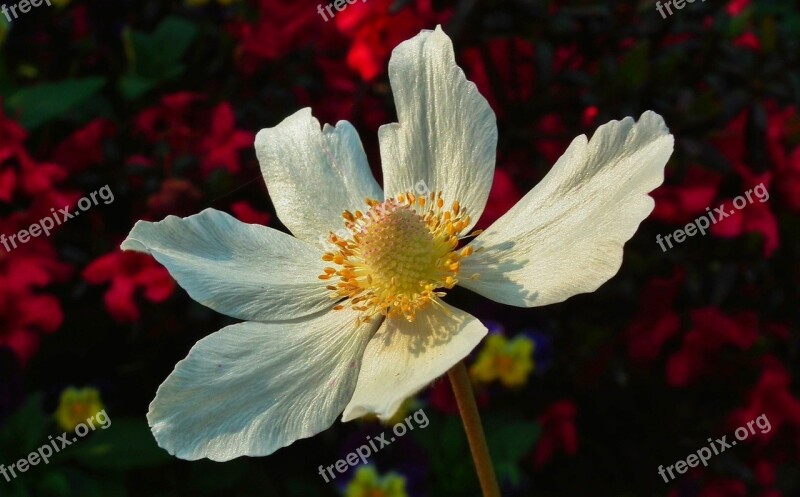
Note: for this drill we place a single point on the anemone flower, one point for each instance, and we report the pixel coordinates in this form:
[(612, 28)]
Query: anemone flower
[(348, 315)]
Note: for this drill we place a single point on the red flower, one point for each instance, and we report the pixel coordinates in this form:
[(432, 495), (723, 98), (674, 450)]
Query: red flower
[(344, 97), (724, 488), (8, 183), (749, 41), (788, 182), (84, 147), (30, 265), (177, 197), (220, 148), (710, 331), (12, 137), (502, 197), (783, 133), (23, 317), (20, 174), (589, 115), (656, 322), (509, 61), (752, 215), (680, 204), (170, 121), (127, 272), (245, 213), (441, 397), (554, 141), (558, 433), (282, 27), (25, 312), (730, 142), (764, 472), (375, 31), (736, 7), (772, 396)]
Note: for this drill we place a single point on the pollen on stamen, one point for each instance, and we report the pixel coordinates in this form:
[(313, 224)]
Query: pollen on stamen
[(399, 256)]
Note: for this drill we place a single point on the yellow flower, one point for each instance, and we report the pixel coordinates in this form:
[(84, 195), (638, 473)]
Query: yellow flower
[(367, 483), (76, 406), (509, 361)]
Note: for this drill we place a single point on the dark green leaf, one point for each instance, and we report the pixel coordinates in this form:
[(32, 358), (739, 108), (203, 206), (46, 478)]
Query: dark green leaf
[(25, 430), (508, 441), (44, 102), (125, 444)]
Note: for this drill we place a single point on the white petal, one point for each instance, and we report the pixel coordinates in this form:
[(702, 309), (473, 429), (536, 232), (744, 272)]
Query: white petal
[(446, 134), (252, 388), (404, 357), (565, 236), (313, 176), (246, 271)]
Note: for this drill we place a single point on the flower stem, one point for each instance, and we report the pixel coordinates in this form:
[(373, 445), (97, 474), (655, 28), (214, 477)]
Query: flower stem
[(465, 397)]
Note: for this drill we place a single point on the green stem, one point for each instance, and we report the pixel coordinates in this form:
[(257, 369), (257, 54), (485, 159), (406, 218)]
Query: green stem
[(465, 397)]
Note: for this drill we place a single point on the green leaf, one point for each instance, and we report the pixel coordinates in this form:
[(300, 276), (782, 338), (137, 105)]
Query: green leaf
[(174, 36), (6, 83), (633, 69), (25, 430), (16, 489), (445, 443), (44, 102), (52, 484), (125, 444), (509, 440), (92, 485), (155, 57), (132, 86), (210, 478)]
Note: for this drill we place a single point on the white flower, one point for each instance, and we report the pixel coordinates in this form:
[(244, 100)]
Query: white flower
[(358, 324)]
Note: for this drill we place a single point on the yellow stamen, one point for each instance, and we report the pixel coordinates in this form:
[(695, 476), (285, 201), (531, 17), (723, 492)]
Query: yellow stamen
[(398, 254)]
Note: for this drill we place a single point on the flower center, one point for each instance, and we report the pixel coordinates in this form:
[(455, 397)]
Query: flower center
[(396, 257)]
